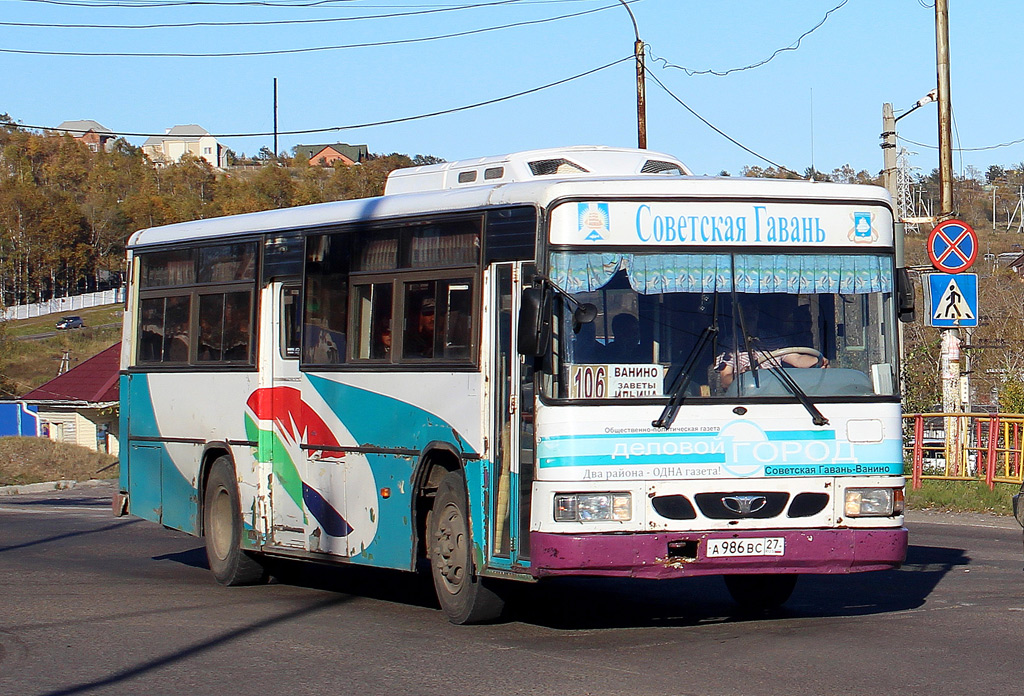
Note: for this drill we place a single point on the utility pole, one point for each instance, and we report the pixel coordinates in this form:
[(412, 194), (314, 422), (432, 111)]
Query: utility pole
[(950, 337), (953, 387), (275, 117), (641, 90), (945, 109), (889, 149)]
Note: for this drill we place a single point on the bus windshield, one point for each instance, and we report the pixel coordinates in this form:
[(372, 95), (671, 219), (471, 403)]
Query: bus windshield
[(826, 320)]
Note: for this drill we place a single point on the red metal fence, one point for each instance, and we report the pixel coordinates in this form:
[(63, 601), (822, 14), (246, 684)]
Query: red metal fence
[(964, 447)]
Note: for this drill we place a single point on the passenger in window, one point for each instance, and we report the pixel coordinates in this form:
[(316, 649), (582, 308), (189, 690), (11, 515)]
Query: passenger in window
[(419, 336), (382, 343), (586, 348), (625, 346)]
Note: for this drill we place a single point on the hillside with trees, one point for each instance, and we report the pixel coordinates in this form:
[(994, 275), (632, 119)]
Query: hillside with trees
[(66, 213)]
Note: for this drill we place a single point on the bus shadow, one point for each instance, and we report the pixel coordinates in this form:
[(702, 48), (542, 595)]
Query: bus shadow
[(373, 583), (595, 603), (381, 584), (592, 603)]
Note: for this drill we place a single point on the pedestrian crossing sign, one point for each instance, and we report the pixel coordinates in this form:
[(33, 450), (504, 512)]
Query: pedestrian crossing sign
[(952, 299)]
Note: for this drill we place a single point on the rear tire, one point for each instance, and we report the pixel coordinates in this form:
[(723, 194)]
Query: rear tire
[(760, 592), (464, 597), (222, 528)]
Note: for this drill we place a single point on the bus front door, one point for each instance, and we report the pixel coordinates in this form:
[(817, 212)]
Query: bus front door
[(513, 460), (282, 466)]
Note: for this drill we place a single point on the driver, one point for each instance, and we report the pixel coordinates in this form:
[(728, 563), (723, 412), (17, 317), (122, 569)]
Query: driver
[(777, 342)]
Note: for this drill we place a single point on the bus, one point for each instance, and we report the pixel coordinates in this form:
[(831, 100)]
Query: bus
[(581, 361)]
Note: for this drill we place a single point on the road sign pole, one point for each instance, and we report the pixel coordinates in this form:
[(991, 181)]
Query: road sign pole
[(952, 248), (950, 362)]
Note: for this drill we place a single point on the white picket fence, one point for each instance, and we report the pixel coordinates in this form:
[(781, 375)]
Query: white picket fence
[(65, 305)]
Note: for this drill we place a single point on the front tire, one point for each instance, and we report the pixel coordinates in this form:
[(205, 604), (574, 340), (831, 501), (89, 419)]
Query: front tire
[(760, 593), (463, 595), (222, 528)]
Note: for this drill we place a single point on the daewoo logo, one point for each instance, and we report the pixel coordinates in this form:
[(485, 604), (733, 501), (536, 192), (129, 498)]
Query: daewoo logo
[(744, 504)]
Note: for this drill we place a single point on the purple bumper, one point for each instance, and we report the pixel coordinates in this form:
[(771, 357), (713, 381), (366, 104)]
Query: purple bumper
[(683, 554)]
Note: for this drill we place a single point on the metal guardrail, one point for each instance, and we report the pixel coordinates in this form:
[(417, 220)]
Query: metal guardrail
[(985, 447)]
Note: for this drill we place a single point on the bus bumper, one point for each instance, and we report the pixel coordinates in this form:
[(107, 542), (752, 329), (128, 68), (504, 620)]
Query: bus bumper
[(683, 554)]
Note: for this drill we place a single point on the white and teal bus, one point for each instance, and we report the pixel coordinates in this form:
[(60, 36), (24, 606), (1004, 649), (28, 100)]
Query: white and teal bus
[(581, 361)]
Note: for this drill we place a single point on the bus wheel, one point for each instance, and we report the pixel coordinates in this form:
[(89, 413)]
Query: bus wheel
[(760, 592), (222, 526), (463, 595)]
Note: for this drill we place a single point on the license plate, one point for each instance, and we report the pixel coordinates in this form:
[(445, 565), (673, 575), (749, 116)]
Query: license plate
[(764, 546)]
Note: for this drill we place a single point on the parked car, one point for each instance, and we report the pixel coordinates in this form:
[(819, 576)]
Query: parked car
[(70, 323)]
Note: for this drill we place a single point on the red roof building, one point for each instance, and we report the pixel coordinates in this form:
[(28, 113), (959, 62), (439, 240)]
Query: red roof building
[(81, 406)]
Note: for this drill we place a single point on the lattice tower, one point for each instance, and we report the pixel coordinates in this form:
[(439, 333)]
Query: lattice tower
[(905, 204)]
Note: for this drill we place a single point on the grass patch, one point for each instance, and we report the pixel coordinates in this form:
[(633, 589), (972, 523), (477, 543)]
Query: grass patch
[(962, 496), (94, 318), (38, 459), (31, 362)]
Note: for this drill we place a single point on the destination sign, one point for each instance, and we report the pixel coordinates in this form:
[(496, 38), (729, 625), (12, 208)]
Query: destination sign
[(712, 223)]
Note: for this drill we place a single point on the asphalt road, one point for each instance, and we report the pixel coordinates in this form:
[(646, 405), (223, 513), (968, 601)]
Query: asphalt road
[(90, 604)]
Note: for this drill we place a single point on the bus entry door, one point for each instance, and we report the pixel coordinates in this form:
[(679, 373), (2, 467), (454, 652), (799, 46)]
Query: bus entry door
[(282, 464), (512, 464)]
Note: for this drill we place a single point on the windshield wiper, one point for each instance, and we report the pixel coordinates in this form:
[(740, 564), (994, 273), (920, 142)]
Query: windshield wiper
[(774, 366), (678, 390)]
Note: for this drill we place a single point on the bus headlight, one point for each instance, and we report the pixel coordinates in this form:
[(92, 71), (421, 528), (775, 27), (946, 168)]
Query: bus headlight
[(593, 507), (874, 502)]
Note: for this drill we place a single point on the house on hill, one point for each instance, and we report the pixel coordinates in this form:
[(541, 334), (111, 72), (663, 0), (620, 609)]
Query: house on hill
[(81, 406), (170, 147), (96, 137), (327, 155)]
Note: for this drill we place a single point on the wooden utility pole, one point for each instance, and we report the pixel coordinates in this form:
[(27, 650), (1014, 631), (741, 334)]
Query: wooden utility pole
[(641, 90), (952, 388), (945, 109)]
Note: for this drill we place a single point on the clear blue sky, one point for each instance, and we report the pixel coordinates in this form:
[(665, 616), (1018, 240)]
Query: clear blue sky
[(823, 99)]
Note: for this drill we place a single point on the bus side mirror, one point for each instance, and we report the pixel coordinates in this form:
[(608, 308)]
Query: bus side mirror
[(905, 295), (534, 321)]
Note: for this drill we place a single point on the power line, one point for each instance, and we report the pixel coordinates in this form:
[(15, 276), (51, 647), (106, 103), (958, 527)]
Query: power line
[(251, 3), (391, 15), (963, 149), (717, 129), (286, 51), (792, 47), (370, 124)]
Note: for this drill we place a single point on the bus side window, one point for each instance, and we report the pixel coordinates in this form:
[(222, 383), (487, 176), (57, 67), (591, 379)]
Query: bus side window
[(438, 320), (458, 321), (291, 333), (420, 320), (373, 321), (325, 316)]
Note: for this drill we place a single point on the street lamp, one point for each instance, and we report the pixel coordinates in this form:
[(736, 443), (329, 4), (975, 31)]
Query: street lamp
[(641, 99), (926, 99), (889, 140)]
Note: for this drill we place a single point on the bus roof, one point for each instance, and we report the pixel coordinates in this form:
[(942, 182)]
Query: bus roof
[(531, 165), (538, 190)]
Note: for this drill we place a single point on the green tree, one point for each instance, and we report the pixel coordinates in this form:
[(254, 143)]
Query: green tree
[(187, 187), (1011, 397)]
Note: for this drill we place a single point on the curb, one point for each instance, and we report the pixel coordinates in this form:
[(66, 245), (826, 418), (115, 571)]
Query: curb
[(62, 485)]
